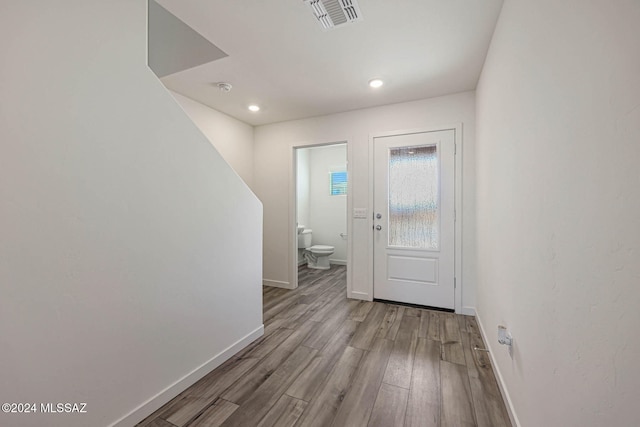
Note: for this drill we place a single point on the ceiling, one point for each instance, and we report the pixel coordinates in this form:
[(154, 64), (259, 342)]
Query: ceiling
[(280, 58)]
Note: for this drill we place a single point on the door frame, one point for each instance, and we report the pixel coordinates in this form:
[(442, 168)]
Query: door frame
[(457, 261), (293, 209)]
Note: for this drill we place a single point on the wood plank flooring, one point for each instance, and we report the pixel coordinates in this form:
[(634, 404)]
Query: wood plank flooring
[(325, 360)]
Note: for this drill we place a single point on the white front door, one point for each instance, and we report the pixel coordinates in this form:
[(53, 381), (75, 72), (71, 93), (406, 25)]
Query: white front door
[(414, 223)]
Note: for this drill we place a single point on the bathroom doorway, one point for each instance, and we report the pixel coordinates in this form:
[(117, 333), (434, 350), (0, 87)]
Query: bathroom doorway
[(320, 220)]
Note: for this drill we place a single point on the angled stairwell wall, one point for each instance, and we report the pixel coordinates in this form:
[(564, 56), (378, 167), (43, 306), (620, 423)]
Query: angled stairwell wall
[(130, 260)]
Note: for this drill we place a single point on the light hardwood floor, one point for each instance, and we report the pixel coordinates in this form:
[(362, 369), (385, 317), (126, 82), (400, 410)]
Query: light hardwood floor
[(325, 360)]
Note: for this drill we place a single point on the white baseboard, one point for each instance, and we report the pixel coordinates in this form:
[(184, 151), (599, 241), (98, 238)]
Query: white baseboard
[(359, 295), (338, 261), (277, 284), (468, 311), (503, 388), (153, 404)]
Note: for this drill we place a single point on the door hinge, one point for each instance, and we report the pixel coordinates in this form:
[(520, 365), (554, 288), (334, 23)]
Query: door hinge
[(455, 215), (455, 283), (455, 148)]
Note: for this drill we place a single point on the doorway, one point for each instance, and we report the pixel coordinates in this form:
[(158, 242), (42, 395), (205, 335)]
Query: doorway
[(414, 218), (321, 194)]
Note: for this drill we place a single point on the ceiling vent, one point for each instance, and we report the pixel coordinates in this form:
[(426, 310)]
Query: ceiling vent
[(334, 13)]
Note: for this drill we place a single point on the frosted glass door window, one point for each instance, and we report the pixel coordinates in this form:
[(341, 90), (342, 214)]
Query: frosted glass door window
[(414, 197)]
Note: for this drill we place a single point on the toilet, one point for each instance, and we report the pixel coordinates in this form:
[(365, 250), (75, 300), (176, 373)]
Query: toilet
[(317, 256)]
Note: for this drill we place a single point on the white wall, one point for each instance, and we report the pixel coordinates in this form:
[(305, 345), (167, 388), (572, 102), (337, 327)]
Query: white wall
[(302, 186), (232, 138), (558, 109), (131, 252), (327, 213), (273, 177)]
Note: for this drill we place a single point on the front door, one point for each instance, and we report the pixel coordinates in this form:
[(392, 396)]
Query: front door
[(414, 218)]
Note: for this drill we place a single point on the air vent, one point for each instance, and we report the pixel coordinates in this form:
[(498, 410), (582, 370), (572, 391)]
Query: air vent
[(334, 13)]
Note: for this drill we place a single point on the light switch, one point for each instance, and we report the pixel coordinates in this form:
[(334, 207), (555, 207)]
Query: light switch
[(360, 213)]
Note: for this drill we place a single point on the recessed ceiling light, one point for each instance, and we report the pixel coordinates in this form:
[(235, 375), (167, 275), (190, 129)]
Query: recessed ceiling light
[(376, 83), (254, 108)]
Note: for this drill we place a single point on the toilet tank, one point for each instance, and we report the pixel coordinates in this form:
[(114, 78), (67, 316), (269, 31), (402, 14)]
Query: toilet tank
[(304, 239)]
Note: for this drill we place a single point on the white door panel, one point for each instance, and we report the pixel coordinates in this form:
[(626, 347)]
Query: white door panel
[(414, 225), (419, 270)]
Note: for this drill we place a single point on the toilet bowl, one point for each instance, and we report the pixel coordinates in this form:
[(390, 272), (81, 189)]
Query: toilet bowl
[(317, 256)]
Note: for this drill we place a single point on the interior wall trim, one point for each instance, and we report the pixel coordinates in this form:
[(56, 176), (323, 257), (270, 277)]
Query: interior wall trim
[(156, 402), (277, 284), (468, 311), (360, 295), (501, 384)]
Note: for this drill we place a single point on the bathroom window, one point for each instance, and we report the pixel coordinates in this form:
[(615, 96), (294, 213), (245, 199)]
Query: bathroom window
[(338, 183)]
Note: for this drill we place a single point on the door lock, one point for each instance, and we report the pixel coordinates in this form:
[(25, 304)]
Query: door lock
[(378, 216)]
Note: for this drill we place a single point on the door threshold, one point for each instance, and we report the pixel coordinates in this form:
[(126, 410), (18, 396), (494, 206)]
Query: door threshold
[(406, 304)]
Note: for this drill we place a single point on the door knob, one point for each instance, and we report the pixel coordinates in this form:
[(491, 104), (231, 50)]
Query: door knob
[(378, 227), (378, 216)]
